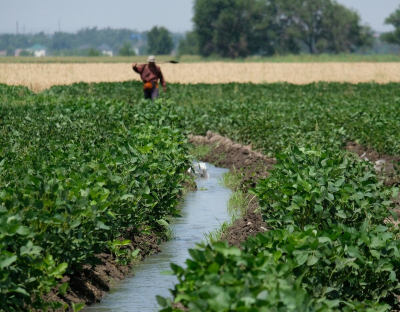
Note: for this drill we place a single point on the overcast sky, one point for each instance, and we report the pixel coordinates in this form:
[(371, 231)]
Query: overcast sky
[(44, 15)]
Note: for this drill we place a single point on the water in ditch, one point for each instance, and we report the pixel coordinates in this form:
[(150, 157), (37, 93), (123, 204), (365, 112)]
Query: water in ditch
[(202, 211)]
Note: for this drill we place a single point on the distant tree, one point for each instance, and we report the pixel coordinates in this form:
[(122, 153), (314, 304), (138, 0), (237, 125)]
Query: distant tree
[(325, 26), (237, 28), (189, 45), (394, 36), (93, 52), (222, 26), (127, 50), (26, 53), (10, 51), (62, 41), (159, 41), (12, 42)]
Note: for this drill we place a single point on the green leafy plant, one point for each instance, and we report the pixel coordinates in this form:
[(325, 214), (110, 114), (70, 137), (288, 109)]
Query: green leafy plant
[(74, 176), (328, 241), (313, 187)]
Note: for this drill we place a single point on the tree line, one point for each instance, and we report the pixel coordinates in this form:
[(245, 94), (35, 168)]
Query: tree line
[(88, 40), (229, 28), (394, 20), (239, 28)]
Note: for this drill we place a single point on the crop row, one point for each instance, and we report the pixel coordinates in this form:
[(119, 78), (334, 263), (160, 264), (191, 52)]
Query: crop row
[(329, 246), (75, 176), (274, 116)]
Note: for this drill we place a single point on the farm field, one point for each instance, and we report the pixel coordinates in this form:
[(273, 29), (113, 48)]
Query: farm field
[(77, 179), (39, 76), (77, 160)]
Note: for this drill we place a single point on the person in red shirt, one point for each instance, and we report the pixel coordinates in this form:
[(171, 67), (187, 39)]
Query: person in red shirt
[(150, 74)]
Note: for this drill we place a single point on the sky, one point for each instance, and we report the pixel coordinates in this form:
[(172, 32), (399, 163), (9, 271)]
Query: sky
[(72, 15)]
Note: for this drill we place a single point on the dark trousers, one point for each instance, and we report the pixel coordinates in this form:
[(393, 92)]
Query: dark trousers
[(151, 94)]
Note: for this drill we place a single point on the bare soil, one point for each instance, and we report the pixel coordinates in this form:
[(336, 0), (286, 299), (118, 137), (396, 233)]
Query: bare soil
[(252, 165)]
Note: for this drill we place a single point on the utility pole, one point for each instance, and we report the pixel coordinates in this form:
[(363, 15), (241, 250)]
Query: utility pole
[(17, 28), (59, 25)]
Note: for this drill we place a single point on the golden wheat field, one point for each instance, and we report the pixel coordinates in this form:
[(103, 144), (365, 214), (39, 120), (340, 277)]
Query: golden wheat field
[(42, 76)]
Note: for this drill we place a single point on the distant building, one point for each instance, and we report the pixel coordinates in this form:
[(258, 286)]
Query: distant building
[(106, 50), (38, 50), (3, 52)]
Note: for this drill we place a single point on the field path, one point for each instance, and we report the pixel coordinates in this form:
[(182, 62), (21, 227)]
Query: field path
[(42, 76)]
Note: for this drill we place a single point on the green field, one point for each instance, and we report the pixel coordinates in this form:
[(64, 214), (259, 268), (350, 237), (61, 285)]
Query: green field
[(76, 175), (80, 164), (274, 116), (323, 58)]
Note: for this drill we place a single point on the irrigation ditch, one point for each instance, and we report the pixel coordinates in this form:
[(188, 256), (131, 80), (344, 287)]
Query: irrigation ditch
[(211, 212), (215, 211), (202, 212)]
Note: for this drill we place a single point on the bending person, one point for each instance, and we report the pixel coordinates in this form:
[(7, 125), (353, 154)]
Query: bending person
[(150, 74)]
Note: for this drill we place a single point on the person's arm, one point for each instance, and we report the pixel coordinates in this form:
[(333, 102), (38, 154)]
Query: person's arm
[(163, 81), (138, 69)]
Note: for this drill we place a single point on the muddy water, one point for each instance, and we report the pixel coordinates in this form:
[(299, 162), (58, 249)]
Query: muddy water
[(202, 212)]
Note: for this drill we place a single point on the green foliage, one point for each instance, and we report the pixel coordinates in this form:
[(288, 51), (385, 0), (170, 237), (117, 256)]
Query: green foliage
[(75, 175), (340, 263), (241, 28), (336, 259), (159, 41), (394, 20), (63, 41), (326, 26), (266, 276), (232, 179), (199, 151), (327, 210), (221, 278), (312, 187), (93, 52), (127, 50), (329, 248), (274, 116), (189, 45), (26, 53)]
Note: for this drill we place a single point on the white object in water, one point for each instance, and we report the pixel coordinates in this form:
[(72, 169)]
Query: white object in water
[(200, 170)]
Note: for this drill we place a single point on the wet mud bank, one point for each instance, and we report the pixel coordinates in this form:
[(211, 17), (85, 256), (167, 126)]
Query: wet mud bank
[(89, 285), (252, 165)]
